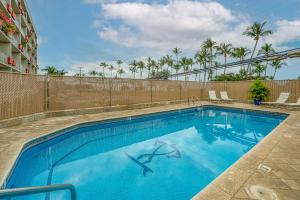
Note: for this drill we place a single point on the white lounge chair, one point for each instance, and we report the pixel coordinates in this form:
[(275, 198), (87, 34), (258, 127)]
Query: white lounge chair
[(293, 104), (283, 97), (224, 96), (213, 96)]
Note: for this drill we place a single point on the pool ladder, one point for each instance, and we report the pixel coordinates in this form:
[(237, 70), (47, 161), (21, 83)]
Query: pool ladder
[(8, 193), (194, 101)]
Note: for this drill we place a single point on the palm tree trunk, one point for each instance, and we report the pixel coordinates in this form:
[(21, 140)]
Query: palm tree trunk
[(242, 65), (248, 67), (225, 65), (204, 71), (199, 71), (266, 69), (274, 74)]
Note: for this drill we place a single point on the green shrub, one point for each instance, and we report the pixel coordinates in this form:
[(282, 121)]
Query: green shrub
[(259, 91)]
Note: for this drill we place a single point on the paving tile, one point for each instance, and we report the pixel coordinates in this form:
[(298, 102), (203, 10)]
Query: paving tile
[(232, 180), (241, 194), (288, 194), (212, 193)]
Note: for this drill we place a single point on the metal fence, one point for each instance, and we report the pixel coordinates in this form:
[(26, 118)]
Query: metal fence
[(23, 94)]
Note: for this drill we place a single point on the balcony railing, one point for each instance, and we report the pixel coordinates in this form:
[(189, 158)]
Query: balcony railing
[(14, 41), (3, 58), (4, 2), (21, 68), (26, 54)]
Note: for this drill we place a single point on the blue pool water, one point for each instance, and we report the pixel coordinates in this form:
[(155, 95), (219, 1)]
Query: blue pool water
[(170, 155)]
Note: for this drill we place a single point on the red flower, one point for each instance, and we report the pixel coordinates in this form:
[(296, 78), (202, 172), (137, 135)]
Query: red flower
[(9, 8), (21, 47), (9, 60), (13, 15)]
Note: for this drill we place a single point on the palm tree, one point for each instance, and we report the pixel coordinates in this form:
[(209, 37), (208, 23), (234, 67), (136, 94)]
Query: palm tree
[(190, 62), (199, 60), (241, 53), (133, 67), (169, 62), (119, 62), (266, 50), (177, 67), (111, 68), (256, 31), (276, 64), (79, 75), (149, 66), (210, 74), (141, 66), (161, 63), (61, 72), (103, 65), (202, 59), (120, 72), (133, 71), (176, 51), (225, 50), (93, 73), (100, 74), (185, 63), (51, 70), (209, 45), (258, 68), (216, 66)]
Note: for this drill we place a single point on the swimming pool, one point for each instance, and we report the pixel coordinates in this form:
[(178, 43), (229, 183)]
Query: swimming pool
[(169, 155)]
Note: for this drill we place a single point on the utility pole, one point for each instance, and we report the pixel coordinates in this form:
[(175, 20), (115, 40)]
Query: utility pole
[(80, 69)]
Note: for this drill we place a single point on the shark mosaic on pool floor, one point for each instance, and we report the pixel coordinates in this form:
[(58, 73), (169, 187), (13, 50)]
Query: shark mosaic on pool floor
[(270, 170)]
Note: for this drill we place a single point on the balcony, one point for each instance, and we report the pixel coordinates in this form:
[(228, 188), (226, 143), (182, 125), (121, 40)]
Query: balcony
[(26, 54), (3, 58), (4, 2), (14, 41), (21, 68)]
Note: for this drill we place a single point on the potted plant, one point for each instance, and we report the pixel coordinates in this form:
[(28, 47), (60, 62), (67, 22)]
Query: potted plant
[(259, 92), (9, 29)]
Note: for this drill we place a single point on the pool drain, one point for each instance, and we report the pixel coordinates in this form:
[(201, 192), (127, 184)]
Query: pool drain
[(261, 193), (264, 168)]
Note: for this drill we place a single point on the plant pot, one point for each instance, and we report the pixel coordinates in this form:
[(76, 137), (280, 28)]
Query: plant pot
[(257, 102)]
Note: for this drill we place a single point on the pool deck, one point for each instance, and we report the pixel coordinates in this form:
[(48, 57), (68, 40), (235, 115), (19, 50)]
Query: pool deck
[(273, 165)]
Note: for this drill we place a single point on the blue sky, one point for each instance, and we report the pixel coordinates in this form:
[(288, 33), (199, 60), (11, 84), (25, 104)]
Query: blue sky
[(82, 33)]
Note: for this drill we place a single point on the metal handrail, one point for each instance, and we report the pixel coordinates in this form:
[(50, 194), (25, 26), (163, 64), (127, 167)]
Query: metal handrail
[(7, 193)]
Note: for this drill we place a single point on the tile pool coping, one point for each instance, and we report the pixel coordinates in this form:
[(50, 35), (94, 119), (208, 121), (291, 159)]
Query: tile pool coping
[(230, 184)]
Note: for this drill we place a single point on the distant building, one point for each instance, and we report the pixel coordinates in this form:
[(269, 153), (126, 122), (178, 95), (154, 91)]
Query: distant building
[(18, 39)]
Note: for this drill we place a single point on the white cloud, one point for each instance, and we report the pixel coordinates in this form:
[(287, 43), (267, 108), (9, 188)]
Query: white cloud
[(286, 31), (160, 26), (184, 24)]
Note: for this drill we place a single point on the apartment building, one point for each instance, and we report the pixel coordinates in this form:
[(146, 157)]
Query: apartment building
[(18, 39)]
